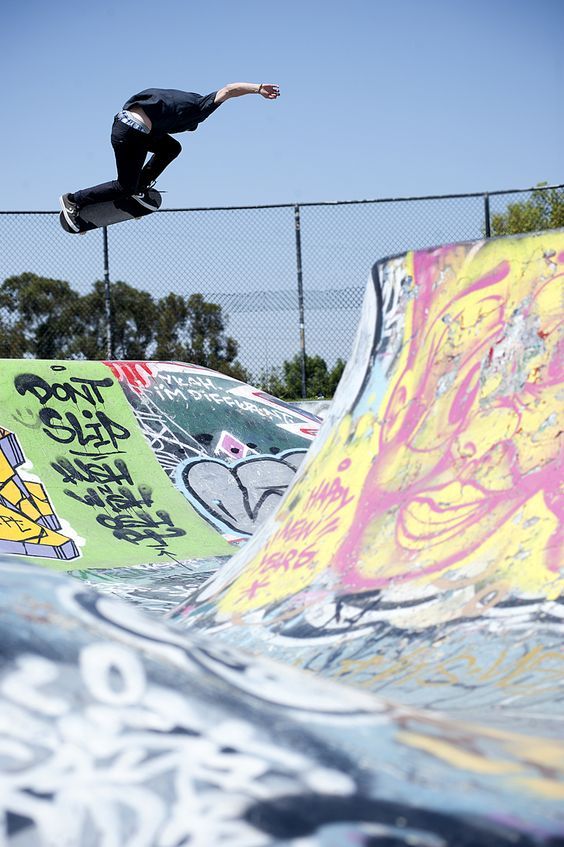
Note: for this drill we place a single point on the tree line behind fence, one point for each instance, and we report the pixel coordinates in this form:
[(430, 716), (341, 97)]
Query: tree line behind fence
[(44, 316)]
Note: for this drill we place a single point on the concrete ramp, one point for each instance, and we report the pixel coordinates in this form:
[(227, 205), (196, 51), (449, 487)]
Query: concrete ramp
[(415, 562), (114, 464), (419, 552), (116, 729)]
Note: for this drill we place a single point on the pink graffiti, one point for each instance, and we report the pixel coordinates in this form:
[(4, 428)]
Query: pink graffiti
[(435, 454), (330, 493), (231, 446), (320, 518)]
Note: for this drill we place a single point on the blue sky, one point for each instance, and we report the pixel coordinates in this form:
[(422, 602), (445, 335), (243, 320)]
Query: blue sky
[(379, 99)]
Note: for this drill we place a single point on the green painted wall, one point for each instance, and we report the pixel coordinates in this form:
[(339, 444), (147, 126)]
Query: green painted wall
[(77, 429)]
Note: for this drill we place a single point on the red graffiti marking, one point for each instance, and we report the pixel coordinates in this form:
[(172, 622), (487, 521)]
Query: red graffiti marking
[(138, 375)]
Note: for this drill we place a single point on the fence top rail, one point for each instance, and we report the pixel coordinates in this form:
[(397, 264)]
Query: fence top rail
[(300, 205)]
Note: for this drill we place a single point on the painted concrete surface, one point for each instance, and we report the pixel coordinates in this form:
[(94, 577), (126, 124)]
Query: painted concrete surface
[(419, 552), (117, 729), (411, 573), (127, 463), (316, 407)]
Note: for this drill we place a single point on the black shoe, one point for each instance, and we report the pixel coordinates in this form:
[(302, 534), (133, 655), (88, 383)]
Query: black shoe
[(70, 211), (145, 184)]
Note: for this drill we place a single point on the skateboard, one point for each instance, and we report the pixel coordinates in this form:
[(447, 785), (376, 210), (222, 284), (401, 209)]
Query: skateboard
[(98, 215)]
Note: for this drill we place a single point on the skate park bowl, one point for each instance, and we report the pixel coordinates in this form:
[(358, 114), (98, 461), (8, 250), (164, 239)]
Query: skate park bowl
[(222, 623)]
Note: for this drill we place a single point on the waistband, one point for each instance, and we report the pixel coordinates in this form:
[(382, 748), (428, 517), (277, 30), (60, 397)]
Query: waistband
[(127, 118)]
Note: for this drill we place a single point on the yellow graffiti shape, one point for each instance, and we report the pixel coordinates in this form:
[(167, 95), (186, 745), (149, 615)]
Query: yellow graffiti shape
[(28, 524)]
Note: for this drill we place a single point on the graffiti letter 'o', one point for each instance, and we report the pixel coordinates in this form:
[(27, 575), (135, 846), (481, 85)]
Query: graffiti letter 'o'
[(113, 674)]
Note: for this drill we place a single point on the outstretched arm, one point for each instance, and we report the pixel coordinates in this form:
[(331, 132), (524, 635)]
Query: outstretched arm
[(237, 89)]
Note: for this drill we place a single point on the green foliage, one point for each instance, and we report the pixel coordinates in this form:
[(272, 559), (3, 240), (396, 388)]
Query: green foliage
[(542, 210), (334, 377), (34, 311), (134, 316), (287, 382), (172, 316), (193, 330), (45, 319)]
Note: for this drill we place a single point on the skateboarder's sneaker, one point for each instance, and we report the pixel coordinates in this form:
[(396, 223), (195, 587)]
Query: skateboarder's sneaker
[(70, 212), (144, 199)]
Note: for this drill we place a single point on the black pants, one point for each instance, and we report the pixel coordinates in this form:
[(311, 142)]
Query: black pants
[(131, 148)]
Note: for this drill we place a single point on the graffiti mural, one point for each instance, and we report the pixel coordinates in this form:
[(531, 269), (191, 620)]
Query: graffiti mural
[(239, 497), (77, 429), (200, 423), (186, 410), (117, 729), (433, 501), (28, 524)]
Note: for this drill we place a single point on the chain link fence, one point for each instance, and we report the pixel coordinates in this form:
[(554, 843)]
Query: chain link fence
[(289, 279)]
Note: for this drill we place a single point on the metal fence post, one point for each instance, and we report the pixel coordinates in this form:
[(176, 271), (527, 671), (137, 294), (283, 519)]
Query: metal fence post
[(297, 227), (487, 215), (107, 298)]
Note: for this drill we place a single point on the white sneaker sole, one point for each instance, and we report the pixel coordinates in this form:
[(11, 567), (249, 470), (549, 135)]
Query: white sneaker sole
[(139, 199), (68, 219)]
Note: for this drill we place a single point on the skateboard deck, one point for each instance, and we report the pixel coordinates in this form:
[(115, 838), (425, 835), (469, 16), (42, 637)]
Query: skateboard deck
[(98, 215)]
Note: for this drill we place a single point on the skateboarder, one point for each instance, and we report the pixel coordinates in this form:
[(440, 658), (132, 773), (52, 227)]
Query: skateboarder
[(146, 125)]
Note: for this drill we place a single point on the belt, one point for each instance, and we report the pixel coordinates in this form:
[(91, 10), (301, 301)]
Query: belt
[(126, 118)]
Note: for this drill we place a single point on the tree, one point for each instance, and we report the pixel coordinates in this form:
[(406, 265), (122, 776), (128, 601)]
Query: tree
[(134, 320), (287, 385), (13, 343), (38, 313), (172, 314), (542, 210), (334, 377), (193, 330), (46, 319)]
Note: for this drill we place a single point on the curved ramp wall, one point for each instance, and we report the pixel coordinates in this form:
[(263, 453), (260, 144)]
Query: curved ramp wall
[(419, 550), (106, 465), (118, 729)]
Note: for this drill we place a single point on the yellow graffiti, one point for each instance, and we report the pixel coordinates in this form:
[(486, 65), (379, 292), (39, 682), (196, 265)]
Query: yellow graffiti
[(530, 763), (28, 524), (456, 755), (424, 666), (452, 481), (292, 557), (549, 788)]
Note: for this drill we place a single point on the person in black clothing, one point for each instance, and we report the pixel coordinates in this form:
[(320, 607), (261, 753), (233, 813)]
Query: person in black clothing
[(146, 125)]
